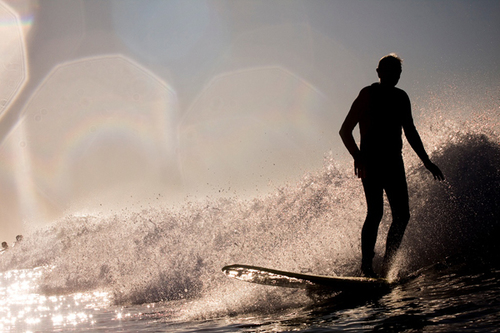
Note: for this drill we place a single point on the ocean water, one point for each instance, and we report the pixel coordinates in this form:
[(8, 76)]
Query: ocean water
[(159, 269)]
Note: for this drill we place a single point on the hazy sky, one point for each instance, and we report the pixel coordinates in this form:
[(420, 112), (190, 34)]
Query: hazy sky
[(108, 103)]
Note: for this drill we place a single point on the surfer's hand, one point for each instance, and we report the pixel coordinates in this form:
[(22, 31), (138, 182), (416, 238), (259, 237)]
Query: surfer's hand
[(360, 168), (436, 172)]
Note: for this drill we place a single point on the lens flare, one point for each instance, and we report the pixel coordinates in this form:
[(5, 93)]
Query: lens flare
[(92, 124), (13, 62), (247, 125)]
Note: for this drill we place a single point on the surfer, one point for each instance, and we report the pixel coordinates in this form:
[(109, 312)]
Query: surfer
[(19, 239), (382, 112)]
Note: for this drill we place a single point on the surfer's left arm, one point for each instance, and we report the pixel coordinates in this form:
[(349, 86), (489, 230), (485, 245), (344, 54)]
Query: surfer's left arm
[(415, 142), (350, 122)]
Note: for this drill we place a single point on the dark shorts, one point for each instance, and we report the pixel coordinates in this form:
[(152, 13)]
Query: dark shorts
[(387, 175)]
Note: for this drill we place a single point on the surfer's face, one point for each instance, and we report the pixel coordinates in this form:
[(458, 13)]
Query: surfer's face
[(389, 75)]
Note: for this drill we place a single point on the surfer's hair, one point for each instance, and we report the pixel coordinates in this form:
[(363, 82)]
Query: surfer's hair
[(390, 61)]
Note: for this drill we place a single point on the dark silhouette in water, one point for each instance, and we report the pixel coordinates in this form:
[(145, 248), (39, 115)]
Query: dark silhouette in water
[(382, 111), (19, 239)]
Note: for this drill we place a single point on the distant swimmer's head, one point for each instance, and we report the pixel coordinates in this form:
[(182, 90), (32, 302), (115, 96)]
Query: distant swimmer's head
[(5, 245), (389, 69), (19, 238)]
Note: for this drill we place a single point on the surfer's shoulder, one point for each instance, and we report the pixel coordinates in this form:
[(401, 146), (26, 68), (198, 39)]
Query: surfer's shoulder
[(400, 91), (365, 92), (371, 87), (402, 95)]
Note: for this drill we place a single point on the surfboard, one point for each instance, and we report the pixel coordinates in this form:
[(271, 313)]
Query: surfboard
[(279, 278)]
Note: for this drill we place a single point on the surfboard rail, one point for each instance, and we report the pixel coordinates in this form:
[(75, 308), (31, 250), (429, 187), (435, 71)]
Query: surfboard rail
[(280, 278)]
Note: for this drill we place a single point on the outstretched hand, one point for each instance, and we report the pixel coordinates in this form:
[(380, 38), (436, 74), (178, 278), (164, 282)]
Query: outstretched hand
[(436, 172)]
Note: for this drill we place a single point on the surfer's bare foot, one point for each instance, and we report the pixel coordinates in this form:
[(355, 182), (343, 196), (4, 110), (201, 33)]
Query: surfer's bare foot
[(367, 271)]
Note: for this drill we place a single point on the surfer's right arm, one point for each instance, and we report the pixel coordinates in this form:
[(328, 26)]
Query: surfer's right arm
[(350, 122), (415, 141)]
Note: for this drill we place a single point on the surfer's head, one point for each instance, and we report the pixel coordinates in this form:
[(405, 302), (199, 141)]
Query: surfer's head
[(389, 69)]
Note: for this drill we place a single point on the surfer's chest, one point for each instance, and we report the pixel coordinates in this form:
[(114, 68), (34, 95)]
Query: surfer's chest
[(384, 112)]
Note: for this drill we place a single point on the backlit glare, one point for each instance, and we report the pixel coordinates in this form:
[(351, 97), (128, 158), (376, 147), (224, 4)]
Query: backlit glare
[(24, 307)]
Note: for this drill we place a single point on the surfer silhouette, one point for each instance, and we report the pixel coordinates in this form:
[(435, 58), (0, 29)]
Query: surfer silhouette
[(382, 112), (19, 239)]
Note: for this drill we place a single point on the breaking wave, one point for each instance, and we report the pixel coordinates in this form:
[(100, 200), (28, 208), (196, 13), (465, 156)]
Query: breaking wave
[(313, 226)]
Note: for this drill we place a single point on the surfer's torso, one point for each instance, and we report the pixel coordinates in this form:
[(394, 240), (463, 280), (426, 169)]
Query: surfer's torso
[(384, 112)]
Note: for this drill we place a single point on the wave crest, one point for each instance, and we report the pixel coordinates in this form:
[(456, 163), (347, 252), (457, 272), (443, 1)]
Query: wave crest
[(312, 226)]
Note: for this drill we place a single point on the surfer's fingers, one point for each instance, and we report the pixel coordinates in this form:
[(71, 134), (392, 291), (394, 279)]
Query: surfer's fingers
[(360, 172), (438, 176), (436, 172)]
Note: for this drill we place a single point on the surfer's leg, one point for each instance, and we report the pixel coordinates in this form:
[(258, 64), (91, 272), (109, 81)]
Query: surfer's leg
[(397, 194), (375, 210)]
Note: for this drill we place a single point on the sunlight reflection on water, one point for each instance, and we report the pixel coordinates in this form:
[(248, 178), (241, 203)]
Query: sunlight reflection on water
[(23, 308)]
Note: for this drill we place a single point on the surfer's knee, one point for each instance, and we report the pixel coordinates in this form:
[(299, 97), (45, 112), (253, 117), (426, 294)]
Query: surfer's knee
[(401, 217), (406, 218), (374, 216), (370, 226)]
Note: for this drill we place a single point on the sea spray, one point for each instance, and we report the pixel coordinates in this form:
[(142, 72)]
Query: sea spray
[(160, 254), (314, 225), (463, 216)]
